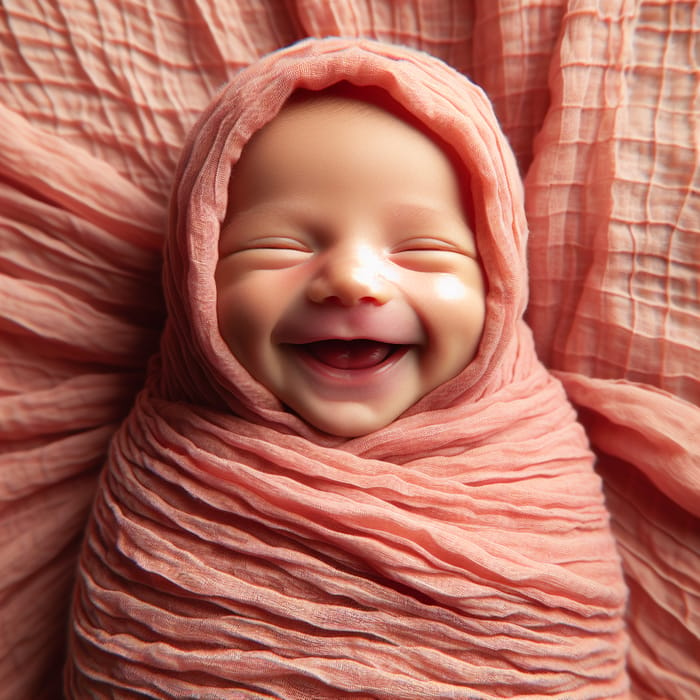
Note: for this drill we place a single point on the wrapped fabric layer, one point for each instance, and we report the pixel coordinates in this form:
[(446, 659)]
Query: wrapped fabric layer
[(235, 551)]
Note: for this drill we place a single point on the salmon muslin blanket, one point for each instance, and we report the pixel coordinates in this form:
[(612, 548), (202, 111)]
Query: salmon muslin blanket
[(234, 551), (600, 101)]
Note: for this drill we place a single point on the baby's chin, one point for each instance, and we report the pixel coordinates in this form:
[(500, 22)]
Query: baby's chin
[(348, 420), (352, 400)]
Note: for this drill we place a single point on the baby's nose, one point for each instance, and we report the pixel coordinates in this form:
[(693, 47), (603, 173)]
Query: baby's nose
[(350, 276)]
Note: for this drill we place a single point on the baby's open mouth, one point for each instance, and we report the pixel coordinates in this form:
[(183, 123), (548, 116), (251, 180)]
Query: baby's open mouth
[(350, 354)]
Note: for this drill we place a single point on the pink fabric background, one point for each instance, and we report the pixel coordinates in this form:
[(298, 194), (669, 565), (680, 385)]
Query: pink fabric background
[(464, 550), (601, 103)]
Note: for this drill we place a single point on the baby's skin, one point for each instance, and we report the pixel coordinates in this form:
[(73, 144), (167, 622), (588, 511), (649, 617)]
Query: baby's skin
[(349, 282)]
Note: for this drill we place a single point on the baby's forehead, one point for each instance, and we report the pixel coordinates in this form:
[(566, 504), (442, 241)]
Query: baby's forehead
[(316, 137), (303, 148), (344, 101), (322, 109)]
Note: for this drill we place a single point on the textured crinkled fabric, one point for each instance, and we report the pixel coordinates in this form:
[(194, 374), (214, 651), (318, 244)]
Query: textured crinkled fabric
[(95, 102), (462, 551)]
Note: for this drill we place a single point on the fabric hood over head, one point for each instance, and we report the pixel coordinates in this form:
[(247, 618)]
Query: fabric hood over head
[(446, 103)]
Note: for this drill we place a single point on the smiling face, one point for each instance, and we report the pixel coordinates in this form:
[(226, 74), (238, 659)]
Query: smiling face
[(348, 281)]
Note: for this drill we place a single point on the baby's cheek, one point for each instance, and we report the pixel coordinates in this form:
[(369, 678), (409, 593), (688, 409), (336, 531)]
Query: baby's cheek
[(454, 311), (235, 319), (450, 289)]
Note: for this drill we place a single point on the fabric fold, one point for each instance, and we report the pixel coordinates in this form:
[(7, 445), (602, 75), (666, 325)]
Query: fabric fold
[(644, 426), (81, 312)]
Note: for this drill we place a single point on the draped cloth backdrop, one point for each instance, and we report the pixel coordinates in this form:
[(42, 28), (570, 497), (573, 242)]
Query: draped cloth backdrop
[(599, 101)]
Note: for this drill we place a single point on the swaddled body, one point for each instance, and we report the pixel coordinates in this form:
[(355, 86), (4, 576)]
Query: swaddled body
[(348, 474)]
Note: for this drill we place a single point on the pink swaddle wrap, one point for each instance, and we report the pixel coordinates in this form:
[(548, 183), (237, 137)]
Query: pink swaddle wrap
[(234, 551)]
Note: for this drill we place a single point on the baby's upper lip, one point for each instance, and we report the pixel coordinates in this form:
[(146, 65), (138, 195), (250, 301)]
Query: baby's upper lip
[(391, 323)]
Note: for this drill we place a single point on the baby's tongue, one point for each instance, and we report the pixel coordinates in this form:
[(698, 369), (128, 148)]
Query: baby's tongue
[(350, 354)]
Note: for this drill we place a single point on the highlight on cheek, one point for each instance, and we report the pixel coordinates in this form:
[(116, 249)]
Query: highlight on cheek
[(450, 288)]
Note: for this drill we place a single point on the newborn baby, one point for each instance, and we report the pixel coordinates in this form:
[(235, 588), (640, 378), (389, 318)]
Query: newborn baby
[(349, 282), (348, 474)]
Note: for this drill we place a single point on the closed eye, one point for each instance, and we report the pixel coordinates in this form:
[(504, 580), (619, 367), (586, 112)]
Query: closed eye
[(268, 253), (432, 255), (437, 245), (274, 243)]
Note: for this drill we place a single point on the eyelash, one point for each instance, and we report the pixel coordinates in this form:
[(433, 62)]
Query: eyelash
[(280, 243), (426, 246)]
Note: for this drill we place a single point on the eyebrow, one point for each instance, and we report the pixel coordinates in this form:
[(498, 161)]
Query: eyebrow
[(297, 206), (420, 210), (277, 208), (425, 212)]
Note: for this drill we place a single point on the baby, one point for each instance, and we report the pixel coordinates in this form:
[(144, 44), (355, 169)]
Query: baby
[(348, 475), (349, 282)]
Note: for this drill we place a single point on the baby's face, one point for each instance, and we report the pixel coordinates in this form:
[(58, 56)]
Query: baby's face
[(348, 280)]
